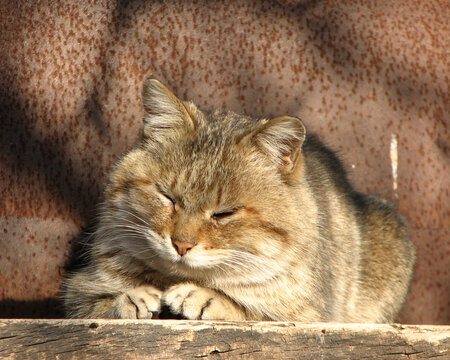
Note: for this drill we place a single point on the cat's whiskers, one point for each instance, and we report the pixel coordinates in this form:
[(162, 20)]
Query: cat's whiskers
[(120, 227), (251, 267), (117, 231), (109, 213), (232, 264), (236, 254), (222, 269), (138, 247), (111, 218), (113, 226), (148, 256), (258, 263)]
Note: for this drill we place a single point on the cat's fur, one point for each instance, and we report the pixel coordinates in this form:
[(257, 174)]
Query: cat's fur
[(220, 216)]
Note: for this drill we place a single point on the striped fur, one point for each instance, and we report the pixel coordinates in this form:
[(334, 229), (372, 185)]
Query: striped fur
[(273, 229)]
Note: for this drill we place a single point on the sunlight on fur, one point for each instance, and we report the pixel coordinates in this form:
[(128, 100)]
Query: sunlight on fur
[(216, 215)]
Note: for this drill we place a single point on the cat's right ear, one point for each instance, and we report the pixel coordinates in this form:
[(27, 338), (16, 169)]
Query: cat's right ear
[(165, 115)]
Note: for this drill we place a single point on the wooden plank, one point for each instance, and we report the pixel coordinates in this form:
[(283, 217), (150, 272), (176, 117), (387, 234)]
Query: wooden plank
[(182, 339)]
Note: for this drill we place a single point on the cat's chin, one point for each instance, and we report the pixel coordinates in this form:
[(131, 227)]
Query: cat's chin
[(192, 268), (186, 263)]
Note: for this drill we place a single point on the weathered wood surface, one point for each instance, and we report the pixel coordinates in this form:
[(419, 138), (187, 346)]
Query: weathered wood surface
[(180, 339)]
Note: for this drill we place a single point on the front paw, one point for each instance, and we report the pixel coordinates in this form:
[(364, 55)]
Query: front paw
[(143, 302), (199, 303)]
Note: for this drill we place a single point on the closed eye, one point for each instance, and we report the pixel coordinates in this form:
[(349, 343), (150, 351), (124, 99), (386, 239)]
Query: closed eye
[(224, 214), (169, 197), (166, 195)]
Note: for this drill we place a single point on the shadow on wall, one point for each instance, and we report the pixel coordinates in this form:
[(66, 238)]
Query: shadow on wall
[(40, 173), (42, 176), (50, 308)]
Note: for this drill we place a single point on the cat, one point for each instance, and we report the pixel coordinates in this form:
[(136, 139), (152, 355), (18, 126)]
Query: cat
[(218, 216)]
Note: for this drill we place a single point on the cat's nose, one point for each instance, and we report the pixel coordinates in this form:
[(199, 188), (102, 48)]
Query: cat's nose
[(182, 247)]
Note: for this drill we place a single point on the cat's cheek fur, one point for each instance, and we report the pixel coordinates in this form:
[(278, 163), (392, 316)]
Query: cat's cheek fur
[(268, 247), (162, 244)]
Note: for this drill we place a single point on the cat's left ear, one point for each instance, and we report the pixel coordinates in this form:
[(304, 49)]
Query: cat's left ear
[(281, 138)]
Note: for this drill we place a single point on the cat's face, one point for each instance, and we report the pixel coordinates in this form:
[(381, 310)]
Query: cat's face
[(206, 196)]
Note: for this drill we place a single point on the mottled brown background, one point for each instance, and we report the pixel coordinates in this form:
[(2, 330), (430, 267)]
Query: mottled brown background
[(357, 72)]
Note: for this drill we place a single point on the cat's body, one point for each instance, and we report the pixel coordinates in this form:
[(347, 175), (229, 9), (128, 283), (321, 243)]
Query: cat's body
[(220, 216)]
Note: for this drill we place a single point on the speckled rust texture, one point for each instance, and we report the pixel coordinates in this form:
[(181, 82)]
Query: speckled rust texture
[(33, 252), (357, 72)]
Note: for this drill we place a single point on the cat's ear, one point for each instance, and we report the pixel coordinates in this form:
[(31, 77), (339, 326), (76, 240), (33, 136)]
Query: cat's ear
[(165, 115), (281, 138)]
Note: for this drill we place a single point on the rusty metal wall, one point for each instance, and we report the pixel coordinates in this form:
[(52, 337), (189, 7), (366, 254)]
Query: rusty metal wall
[(366, 75)]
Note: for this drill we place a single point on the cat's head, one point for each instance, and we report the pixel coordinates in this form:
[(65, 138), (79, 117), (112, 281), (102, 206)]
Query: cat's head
[(207, 195)]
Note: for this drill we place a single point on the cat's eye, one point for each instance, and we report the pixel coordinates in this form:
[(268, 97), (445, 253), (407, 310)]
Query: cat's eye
[(224, 214), (172, 200), (167, 196)]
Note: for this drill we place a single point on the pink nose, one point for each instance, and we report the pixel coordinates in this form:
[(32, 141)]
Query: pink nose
[(182, 247)]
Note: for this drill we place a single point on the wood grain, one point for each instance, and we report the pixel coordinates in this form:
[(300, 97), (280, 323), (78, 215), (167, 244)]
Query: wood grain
[(182, 339)]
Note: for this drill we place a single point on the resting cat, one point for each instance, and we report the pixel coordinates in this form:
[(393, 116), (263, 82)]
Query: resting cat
[(220, 216)]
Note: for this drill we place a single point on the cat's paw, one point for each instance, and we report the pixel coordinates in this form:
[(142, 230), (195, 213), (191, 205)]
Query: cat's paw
[(199, 303), (143, 302)]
